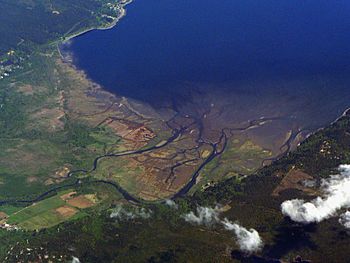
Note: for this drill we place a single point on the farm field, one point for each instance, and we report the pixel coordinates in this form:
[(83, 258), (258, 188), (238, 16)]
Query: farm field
[(51, 211), (91, 174)]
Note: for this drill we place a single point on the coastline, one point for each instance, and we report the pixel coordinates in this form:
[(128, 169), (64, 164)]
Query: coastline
[(111, 25), (345, 113), (129, 102), (123, 12)]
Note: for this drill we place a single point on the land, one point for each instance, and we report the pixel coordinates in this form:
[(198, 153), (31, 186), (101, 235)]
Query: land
[(49, 212), (43, 23), (66, 123), (72, 152), (166, 237)]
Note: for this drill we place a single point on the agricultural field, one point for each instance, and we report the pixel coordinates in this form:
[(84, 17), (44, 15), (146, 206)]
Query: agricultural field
[(86, 173), (51, 211), (165, 235)]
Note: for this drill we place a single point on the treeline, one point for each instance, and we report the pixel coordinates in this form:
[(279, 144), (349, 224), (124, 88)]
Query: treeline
[(38, 22), (319, 155)]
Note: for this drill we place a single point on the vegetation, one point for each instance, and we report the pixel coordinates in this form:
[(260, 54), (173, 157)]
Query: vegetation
[(44, 21), (166, 237), (48, 146)]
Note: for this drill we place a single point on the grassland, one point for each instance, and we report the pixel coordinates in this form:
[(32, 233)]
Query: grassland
[(35, 210), (242, 157), (50, 124), (50, 211), (166, 237), (38, 135)]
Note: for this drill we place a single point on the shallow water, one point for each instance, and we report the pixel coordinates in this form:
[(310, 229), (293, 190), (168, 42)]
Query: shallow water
[(176, 50)]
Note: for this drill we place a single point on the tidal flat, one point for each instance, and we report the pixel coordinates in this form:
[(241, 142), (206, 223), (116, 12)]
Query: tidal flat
[(233, 71)]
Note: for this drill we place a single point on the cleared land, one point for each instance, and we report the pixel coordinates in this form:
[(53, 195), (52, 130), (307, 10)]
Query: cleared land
[(51, 211)]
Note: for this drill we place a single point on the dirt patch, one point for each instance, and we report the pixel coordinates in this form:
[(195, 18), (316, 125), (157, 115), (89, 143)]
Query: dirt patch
[(26, 89), (92, 198), (66, 211), (3, 215), (81, 202), (68, 196), (51, 119), (141, 134), (293, 180), (205, 154), (118, 127), (49, 181), (32, 179), (130, 130), (62, 172)]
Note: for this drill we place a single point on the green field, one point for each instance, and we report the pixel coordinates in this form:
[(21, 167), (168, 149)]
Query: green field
[(42, 214), (241, 157), (41, 134), (35, 210), (33, 150)]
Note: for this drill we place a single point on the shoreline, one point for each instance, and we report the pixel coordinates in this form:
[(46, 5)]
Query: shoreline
[(123, 12), (345, 113), (111, 25)]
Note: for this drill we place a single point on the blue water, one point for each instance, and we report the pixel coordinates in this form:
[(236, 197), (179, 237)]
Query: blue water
[(162, 47)]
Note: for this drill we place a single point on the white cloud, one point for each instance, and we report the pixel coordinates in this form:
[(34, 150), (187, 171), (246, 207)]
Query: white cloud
[(171, 203), (249, 241), (204, 216), (75, 260), (345, 219), (121, 213), (336, 195)]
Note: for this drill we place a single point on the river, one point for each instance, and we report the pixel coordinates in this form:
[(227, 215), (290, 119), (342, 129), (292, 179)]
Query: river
[(252, 59)]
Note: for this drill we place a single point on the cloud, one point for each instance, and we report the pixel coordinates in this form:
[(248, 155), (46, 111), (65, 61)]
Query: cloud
[(203, 216), (121, 213), (345, 219), (171, 203), (75, 260), (336, 195), (249, 241)]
